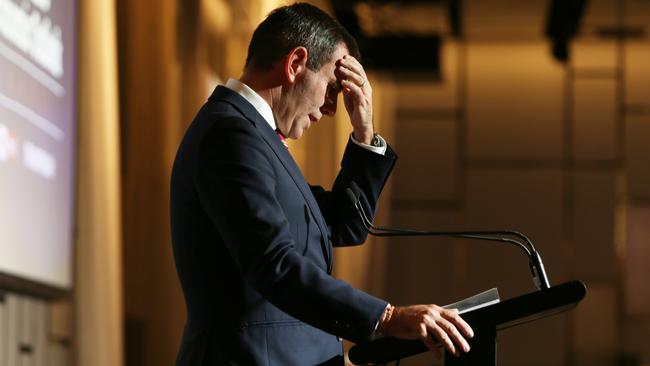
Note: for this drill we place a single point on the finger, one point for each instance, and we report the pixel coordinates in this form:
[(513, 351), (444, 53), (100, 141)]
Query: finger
[(444, 339), (429, 342), (453, 316), (353, 64), (348, 74), (454, 334), (353, 89), (354, 70)]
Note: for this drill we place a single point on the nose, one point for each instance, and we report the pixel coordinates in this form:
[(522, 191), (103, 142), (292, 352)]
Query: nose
[(329, 107)]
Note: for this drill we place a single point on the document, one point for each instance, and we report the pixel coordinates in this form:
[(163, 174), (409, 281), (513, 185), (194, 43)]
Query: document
[(485, 298)]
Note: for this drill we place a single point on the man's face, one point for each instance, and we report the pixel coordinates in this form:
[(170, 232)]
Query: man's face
[(313, 95)]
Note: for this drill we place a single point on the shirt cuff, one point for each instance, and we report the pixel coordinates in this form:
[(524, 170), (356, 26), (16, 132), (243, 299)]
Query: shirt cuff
[(376, 334), (381, 149)]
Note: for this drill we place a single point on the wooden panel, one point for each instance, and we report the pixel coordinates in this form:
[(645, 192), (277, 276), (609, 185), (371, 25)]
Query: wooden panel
[(527, 201), (593, 217), (428, 161), (637, 13), (596, 325), (595, 119), (600, 12), (504, 17), (637, 253), (14, 315), (540, 343), (589, 55), (514, 102), (59, 355), (26, 333), (98, 289), (23, 331), (22, 327), (422, 270), (151, 109), (59, 319), (637, 149), (637, 348), (41, 337), (637, 94)]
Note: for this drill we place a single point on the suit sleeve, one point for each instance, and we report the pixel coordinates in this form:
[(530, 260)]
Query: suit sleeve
[(236, 182), (369, 171)]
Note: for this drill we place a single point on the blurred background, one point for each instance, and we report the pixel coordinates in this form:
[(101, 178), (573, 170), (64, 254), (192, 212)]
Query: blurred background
[(525, 115)]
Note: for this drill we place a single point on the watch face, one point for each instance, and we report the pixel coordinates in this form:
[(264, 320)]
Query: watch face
[(375, 141)]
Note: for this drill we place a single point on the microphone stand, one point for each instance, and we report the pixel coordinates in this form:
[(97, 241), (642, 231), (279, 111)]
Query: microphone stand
[(538, 272)]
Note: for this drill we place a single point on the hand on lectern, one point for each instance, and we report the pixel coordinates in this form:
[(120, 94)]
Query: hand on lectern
[(429, 322)]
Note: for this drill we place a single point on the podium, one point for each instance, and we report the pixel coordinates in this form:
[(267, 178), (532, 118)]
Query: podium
[(485, 322)]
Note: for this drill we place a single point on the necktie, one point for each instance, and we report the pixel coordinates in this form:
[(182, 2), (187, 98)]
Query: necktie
[(282, 138)]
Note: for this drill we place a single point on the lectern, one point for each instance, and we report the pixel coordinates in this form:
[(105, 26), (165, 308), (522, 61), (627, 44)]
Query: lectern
[(485, 322)]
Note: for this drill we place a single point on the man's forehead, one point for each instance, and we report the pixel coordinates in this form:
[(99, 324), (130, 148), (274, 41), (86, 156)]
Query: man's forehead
[(340, 51), (338, 54)]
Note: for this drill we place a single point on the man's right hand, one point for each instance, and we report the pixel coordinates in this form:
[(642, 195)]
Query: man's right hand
[(426, 322)]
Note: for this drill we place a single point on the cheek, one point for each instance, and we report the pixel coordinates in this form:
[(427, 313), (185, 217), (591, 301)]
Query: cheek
[(323, 98), (318, 95), (325, 89)]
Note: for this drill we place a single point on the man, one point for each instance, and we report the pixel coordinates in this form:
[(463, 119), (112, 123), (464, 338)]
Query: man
[(252, 241)]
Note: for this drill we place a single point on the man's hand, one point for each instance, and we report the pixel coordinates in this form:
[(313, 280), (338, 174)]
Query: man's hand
[(426, 322), (357, 96)]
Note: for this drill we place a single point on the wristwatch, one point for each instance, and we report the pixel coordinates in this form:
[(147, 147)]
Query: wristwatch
[(376, 141)]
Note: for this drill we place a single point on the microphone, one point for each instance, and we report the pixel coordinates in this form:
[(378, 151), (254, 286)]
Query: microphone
[(534, 259)]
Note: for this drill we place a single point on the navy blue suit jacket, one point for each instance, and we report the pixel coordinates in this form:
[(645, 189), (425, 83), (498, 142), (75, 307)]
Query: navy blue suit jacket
[(252, 243)]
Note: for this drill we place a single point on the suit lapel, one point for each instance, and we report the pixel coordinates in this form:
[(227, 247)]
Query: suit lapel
[(282, 153)]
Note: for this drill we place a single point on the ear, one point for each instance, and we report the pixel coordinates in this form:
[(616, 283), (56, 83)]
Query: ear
[(295, 63)]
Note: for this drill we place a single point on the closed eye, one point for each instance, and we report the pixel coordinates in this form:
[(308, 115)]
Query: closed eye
[(335, 87), (333, 90)]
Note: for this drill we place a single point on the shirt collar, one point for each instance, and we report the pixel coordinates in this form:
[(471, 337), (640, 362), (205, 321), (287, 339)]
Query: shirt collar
[(262, 107)]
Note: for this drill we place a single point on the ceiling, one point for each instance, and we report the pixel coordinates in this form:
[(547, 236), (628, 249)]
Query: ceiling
[(394, 34)]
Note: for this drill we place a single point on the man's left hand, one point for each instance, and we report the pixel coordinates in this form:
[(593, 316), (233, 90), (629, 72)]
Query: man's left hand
[(357, 96)]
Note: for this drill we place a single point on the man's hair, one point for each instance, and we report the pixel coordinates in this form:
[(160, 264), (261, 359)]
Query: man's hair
[(297, 25)]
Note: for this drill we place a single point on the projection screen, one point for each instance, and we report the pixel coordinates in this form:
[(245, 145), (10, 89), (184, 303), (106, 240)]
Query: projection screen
[(37, 141)]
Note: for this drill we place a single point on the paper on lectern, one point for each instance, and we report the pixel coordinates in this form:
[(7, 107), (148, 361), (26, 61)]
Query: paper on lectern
[(485, 298)]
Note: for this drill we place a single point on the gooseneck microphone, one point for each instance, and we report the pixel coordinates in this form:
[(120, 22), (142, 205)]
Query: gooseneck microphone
[(534, 260)]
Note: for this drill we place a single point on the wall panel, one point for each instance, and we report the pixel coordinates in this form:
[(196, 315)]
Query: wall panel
[(595, 332), (637, 252), (595, 116), (637, 76), (529, 201), (590, 55), (428, 164), (514, 102), (424, 270), (593, 217)]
